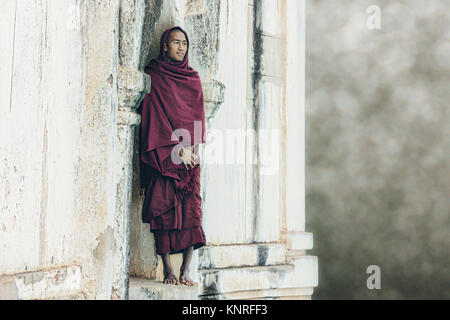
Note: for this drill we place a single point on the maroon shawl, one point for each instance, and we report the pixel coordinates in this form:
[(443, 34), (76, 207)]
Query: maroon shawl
[(175, 102)]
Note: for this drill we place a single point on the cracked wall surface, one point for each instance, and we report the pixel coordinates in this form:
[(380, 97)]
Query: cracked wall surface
[(70, 219), (59, 115)]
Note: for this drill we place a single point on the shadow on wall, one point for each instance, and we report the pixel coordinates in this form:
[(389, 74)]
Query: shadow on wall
[(377, 169)]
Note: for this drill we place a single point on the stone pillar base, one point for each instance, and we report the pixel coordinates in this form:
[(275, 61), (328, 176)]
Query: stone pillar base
[(143, 289), (58, 283), (258, 271), (241, 271)]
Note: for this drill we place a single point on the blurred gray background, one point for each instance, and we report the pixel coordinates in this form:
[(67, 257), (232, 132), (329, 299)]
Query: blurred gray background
[(378, 175)]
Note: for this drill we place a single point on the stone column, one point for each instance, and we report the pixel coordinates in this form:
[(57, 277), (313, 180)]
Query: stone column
[(269, 107), (133, 84), (293, 228), (294, 79), (271, 266)]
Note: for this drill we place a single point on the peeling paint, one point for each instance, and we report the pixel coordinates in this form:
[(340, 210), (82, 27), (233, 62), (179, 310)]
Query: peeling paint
[(9, 290), (102, 153), (32, 277), (106, 242)]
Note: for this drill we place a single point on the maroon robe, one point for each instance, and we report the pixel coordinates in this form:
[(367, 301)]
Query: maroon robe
[(172, 204)]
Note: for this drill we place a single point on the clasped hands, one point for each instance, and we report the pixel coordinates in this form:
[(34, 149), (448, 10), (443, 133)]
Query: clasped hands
[(188, 157)]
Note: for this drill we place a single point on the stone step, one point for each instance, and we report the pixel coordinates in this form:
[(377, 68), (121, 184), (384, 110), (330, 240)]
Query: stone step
[(177, 260), (48, 284), (241, 255), (283, 293), (144, 289), (299, 240), (78, 296), (302, 273)]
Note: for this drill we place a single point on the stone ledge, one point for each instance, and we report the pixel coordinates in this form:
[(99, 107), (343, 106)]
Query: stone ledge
[(299, 240), (127, 118), (144, 289), (243, 255), (72, 297), (133, 85), (283, 293), (134, 80), (301, 274), (42, 284), (177, 260)]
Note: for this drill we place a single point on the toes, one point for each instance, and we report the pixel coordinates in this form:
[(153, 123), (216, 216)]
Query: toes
[(170, 281), (187, 282)]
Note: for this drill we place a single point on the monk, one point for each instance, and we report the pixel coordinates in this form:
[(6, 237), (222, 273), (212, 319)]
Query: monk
[(172, 127)]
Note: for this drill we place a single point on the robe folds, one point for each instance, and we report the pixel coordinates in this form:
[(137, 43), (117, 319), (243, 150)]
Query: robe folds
[(172, 204)]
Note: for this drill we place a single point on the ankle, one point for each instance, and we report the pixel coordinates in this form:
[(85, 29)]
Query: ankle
[(168, 271), (184, 269)]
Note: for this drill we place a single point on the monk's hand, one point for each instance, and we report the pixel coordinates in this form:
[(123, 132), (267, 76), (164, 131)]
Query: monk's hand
[(194, 156), (187, 157)]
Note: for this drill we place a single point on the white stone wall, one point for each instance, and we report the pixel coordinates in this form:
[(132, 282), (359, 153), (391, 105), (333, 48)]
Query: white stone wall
[(294, 84), (70, 213), (58, 123), (40, 123), (227, 213)]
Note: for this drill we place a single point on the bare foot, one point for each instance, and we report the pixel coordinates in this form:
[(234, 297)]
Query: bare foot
[(170, 278), (184, 277)]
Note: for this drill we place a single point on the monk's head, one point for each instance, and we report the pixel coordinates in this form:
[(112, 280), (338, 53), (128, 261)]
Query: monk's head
[(176, 46)]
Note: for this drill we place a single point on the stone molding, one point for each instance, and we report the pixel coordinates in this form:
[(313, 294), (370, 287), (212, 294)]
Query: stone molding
[(57, 283)]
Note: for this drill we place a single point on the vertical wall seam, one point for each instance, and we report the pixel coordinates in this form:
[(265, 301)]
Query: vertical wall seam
[(44, 200), (13, 53), (284, 123), (44, 168), (257, 52)]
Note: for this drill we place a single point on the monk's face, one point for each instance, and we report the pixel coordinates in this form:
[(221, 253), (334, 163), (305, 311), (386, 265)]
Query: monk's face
[(176, 47)]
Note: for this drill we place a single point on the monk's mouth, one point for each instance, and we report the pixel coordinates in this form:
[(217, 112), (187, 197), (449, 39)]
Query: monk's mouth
[(180, 54)]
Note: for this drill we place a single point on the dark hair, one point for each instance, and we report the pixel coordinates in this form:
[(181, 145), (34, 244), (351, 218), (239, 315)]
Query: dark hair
[(168, 36)]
